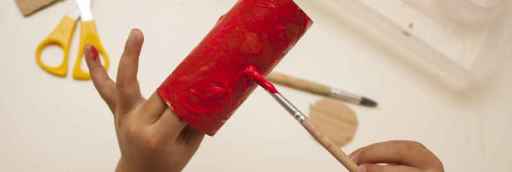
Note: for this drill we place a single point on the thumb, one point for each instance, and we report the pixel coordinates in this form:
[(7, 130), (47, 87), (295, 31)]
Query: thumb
[(386, 168)]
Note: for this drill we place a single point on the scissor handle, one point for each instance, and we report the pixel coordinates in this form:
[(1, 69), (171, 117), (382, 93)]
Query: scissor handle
[(89, 36), (61, 36)]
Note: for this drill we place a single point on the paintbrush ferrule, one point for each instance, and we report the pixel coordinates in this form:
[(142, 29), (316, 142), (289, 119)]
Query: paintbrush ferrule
[(292, 109), (345, 96)]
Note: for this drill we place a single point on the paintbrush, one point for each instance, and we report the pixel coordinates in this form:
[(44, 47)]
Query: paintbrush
[(304, 120), (320, 89)]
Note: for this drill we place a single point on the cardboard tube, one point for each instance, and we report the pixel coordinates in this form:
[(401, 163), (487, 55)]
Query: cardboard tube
[(209, 85)]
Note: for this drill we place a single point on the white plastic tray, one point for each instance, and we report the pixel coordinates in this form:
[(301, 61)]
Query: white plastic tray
[(459, 42)]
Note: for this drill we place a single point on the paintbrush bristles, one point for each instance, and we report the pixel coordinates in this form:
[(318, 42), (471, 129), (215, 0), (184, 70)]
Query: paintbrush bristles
[(333, 149)]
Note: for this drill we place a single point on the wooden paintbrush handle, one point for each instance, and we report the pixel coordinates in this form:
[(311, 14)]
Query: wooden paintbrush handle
[(299, 84), (331, 147)]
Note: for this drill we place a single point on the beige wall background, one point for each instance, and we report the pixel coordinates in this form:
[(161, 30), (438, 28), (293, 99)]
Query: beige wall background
[(54, 124)]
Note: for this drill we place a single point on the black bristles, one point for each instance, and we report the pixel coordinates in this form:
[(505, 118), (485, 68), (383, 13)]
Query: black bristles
[(368, 102)]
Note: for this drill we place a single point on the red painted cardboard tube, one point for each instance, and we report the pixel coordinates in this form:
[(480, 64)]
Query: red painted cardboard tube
[(209, 85)]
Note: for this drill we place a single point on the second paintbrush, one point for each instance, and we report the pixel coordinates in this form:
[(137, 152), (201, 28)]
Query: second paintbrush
[(320, 89)]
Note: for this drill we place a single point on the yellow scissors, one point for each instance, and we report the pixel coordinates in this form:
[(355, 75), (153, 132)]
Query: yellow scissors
[(61, 36)]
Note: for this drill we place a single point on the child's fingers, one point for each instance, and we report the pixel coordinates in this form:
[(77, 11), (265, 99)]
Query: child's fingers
[(154, 107), (386, 168), (100, 78), (193, 137), (127, 83), (169, 125), (166, 123), (397, 152)]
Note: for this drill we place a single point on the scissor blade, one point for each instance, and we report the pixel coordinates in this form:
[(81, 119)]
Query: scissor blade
[(85, 9)]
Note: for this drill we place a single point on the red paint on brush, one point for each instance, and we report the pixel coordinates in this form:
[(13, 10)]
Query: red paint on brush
[(257, 77), (210, 84)]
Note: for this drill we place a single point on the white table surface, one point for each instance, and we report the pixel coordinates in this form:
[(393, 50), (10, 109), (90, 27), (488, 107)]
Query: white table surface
[(54, 124)]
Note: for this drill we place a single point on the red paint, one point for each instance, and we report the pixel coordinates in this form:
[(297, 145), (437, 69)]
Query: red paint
[(94, 53), (257, 77), (210, 84)]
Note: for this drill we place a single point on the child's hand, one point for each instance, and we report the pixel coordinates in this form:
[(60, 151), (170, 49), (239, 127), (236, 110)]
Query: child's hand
[(398, 156), (150, 136)]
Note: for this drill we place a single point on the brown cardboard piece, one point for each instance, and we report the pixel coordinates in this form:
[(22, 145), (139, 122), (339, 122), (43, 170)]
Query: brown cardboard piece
[(28, 7), (335, 120)]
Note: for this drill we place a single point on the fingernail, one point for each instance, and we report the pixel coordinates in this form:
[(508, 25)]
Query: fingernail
[(361, 168), (132, 33), (134, 30), (93, 53)]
